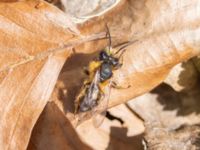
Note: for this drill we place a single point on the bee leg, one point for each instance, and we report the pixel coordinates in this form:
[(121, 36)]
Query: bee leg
[(118, 66), (78, 99), (121, 62), (76, 105), (101, 90), (114, 85), (101, 93)]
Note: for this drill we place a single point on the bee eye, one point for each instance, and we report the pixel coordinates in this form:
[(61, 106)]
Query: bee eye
[(103, 55)]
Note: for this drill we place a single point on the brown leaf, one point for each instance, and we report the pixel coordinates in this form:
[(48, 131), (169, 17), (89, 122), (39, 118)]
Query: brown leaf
[(53, 131), (196, 61), (35, 40)]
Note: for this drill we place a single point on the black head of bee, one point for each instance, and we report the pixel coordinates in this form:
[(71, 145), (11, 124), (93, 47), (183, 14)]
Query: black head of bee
[(108, 63), (103, 56)]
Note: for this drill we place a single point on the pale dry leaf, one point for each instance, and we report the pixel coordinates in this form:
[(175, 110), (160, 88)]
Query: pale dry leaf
[(35, 40), (168, 108), (186, 137), (123, 132), (88, 8), (165, 112)]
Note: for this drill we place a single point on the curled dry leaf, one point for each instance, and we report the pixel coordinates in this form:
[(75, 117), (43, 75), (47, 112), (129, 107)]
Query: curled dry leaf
[(165, 33), (35, 40)]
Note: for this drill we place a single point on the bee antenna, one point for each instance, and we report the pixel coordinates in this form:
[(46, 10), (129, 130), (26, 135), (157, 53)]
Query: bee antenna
[(123, 50), (123, 47), (109, 37)]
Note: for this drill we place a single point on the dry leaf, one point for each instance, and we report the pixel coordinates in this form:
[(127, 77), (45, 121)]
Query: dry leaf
[(165, 112), (30, 32), (196, 61), (54, 132), (166, 33), (184, 76), (125, 131), (186, 137)]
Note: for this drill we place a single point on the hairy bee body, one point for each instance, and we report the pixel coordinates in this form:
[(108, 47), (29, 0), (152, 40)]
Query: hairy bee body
[(95, 91), (99, 73), (90, 92)]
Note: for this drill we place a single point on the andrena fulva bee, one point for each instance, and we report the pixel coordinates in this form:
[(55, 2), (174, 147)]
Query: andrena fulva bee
[(95, 92)]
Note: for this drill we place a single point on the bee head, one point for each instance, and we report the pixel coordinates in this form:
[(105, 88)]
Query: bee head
[(107, 57), (103, 55)]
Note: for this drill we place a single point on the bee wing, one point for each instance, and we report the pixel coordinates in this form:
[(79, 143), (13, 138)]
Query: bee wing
[(93, 87), (100, 110), (90, 96)]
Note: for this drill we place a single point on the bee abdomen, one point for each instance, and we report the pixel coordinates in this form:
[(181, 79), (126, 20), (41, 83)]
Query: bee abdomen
[(90, 99), (87, 106)]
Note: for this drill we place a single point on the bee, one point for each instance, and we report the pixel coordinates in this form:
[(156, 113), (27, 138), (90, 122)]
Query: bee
[(95, 92)]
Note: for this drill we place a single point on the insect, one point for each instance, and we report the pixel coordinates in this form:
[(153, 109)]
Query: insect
[(95, 92)]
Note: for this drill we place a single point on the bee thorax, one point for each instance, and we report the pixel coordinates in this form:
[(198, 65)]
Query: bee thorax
[(105, 72)]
